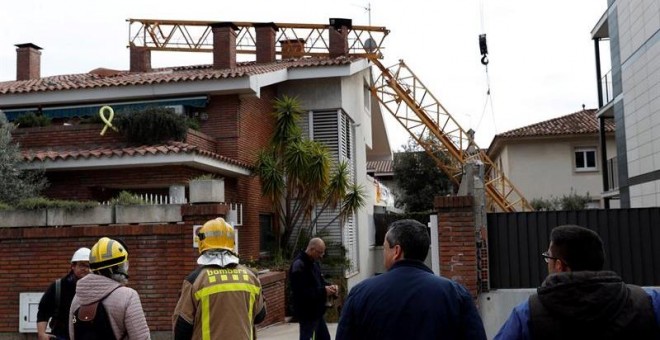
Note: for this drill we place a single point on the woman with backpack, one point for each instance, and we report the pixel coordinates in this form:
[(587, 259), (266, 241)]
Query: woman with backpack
[(103, 307)]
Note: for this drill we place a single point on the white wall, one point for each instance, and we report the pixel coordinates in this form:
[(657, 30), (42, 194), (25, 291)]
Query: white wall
[(544, 168)]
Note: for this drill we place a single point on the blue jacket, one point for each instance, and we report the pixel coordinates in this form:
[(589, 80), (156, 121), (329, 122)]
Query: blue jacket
[(409, 302), (518, 325)]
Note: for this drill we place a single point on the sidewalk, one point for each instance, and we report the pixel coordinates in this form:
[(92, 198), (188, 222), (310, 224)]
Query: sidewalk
[(287, 331)]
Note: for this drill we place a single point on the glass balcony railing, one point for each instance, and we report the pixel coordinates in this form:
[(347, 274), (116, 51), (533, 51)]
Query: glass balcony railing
[(606, 87), (612, 174)]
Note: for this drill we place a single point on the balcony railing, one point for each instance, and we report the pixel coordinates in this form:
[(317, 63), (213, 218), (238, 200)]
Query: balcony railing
[(606, 87), (612, 174)]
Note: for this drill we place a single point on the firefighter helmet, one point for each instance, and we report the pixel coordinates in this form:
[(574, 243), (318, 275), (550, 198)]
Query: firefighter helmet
[(81, 254), (216, 234), (107, 253)]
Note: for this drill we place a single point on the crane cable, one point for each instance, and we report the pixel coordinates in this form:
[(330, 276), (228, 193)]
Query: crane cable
[(483, 49)]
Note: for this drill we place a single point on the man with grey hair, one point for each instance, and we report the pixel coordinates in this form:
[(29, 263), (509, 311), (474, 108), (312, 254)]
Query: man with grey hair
[(310, 291), (409, 301)]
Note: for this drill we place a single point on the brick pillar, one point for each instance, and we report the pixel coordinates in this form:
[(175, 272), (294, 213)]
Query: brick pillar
[(339, 37), (28, 62), (265, 41), (224, 45), (140, 59), (458, 240)]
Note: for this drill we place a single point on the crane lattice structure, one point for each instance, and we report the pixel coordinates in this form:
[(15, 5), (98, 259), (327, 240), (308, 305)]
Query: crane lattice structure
[(397, 88)]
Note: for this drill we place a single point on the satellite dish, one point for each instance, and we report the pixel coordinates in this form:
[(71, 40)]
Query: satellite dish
[(370, 45)]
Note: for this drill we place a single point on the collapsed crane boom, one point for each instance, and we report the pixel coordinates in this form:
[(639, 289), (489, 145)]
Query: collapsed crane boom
[(397, 88)]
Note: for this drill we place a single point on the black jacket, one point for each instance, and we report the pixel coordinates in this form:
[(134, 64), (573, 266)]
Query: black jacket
[(307, 288), (591, 305), (47, 305)]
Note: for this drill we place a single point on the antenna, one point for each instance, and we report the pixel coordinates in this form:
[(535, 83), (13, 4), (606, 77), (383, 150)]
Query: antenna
[(367, 9)]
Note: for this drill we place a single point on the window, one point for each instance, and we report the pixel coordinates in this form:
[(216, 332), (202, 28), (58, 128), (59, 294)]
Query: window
[(267, 239), (585, 159)]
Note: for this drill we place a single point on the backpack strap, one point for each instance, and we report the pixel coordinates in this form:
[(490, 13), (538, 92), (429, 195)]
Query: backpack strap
[(58, 293)]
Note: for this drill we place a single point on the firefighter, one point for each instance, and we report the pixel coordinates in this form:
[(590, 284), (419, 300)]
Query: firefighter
[(221, 299)]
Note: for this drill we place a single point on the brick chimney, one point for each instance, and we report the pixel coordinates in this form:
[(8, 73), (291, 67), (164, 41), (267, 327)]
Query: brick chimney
[(265, 41), (28, 61), (293, 48), (339, 36), (224, 45), (140, 59)]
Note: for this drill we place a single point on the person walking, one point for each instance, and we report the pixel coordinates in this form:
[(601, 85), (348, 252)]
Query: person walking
[(408, 301), (310, 291), (578, 300), (56, 301), (108, 262), (221, 299)]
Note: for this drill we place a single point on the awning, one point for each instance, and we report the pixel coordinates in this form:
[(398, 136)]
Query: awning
[(93, 109)]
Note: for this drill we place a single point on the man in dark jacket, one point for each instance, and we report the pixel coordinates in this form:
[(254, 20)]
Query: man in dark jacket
[(409, 301), (578, 300), (55, 302), (310, 291)]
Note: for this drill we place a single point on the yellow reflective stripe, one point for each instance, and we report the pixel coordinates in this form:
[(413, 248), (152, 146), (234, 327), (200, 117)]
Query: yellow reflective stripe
[(206, 327), (204, 293)]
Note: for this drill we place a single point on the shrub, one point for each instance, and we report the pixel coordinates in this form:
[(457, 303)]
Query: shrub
[(16, 184), (43, 203), (127, 198), (31, 119), (5, 206), (204, 177), (152, 125)]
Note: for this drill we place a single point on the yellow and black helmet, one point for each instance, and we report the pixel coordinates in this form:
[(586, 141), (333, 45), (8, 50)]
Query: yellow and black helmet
[(216, 234), (107, 253)]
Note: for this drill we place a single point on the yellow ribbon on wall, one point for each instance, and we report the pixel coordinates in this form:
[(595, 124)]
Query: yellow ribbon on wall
[(107, 121)]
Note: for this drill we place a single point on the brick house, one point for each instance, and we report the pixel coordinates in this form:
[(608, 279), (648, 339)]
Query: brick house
[(233, 101)]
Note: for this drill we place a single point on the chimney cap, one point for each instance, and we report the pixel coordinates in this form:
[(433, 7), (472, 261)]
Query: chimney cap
[(266, 24), (222, 24), (28, 45), (338, 23)]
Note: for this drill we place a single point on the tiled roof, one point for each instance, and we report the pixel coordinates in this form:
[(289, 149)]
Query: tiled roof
[(578, 123), (110, 151), (380, 166), (110, 78)]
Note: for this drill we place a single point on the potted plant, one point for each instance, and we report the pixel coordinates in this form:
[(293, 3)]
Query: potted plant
[(207, 189)]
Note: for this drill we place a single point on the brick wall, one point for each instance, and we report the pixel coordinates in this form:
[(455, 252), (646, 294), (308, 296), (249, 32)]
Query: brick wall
[(458, 240), (102, 184), (273, 285), (242, 126), (161, 257), (86, 135)]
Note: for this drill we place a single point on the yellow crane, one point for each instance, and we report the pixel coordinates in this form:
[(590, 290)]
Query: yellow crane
[(397, 88)]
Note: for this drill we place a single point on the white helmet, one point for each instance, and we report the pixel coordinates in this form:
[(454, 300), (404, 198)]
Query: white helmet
[(81, 254)]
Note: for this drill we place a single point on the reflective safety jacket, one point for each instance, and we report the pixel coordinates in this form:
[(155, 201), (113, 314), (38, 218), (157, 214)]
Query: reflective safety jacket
[(219, 303)]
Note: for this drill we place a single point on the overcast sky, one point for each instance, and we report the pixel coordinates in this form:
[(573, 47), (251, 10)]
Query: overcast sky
[(542, 62)]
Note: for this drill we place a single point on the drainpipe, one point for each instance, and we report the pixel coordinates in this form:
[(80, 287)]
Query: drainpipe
[(601, 126)]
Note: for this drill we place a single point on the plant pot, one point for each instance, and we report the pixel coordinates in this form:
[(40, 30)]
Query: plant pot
[(207, 190)]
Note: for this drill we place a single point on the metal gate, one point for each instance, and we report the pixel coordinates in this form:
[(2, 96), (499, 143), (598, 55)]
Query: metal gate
[(631, 238)]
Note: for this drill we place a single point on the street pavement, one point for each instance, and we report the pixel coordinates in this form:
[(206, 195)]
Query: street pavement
[(287, 331)]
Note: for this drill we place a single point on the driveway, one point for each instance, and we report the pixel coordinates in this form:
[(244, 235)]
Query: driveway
[(287, 331)]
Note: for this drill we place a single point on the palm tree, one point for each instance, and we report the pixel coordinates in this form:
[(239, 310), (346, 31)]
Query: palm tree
[(296, 175)]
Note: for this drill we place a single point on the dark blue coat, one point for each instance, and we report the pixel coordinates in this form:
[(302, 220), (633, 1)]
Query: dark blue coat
[(409, 302), (307, 288)]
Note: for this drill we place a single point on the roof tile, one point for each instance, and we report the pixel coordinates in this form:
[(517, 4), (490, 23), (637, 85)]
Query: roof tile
[(111, 151), (581, 122), (95, 79)]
